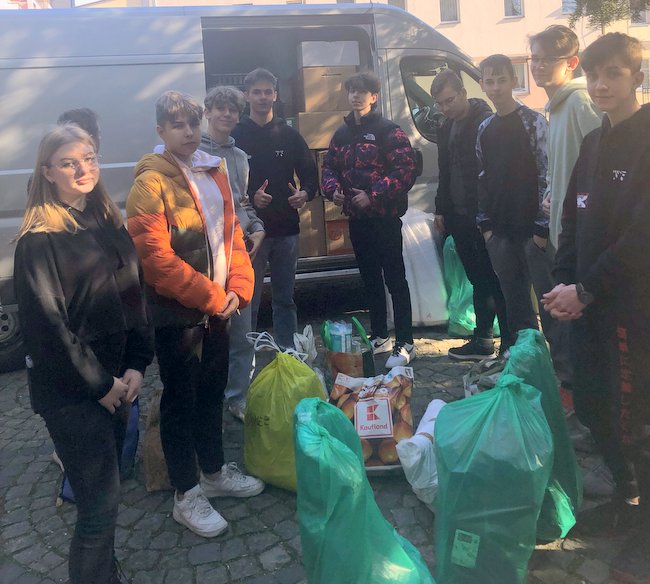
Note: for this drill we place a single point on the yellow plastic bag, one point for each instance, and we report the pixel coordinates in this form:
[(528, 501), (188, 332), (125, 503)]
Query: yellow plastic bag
[(268, 424)]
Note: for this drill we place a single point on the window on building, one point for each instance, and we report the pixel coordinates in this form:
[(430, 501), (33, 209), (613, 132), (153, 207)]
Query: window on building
[(449, 11), (568, 6), (399, 3), (521, 72), (513, 7), (641, 16)]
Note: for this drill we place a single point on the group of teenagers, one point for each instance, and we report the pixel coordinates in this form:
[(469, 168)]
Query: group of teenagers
[(209, 212)]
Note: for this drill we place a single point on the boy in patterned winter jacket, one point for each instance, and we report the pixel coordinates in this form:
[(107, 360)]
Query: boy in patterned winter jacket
[(368, 171), (511, 150)]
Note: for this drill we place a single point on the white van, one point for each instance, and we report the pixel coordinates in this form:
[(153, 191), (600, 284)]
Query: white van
[(118, 61)]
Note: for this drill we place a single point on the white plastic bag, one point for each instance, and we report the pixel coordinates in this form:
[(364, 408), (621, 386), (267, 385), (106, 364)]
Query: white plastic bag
[(418, 457)]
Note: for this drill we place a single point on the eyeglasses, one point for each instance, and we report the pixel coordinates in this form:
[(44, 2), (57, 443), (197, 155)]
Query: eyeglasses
[(69, 165), (546, 60), (446, 102)]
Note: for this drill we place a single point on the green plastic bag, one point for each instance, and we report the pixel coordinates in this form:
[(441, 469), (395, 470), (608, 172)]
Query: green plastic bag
[(494, 453), (345, 539), (268, 424), (460, 293), (531, 361)]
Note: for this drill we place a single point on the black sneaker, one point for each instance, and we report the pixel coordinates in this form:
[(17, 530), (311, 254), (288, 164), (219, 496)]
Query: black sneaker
[(632, 564), (474, 350), (612, 519)]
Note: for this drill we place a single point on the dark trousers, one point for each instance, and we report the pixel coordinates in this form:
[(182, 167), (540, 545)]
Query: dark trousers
[(193, 365), (87, 438), (519, 263), (612, 395), (377, 243), (488, 298)]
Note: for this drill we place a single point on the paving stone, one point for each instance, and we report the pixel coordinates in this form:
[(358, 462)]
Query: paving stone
[(261, 541), (595, 571), (212, 575), (274, 558), (204, 554), (233, 549), (243, 568), (179, 575)]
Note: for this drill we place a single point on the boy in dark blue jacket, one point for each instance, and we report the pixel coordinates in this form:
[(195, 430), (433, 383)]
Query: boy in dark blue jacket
[(603, 269)]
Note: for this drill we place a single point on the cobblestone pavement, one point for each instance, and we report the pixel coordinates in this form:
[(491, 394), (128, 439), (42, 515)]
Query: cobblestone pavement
[(262, 544)]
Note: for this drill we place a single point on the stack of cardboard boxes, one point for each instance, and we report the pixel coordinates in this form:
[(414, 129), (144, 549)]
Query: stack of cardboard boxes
[(322, 103)]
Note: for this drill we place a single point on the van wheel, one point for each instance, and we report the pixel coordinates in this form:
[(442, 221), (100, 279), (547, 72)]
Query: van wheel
[(12, 351)]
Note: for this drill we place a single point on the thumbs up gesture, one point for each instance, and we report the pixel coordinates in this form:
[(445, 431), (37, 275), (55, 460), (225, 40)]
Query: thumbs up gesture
[(261, 198), (298, 198)]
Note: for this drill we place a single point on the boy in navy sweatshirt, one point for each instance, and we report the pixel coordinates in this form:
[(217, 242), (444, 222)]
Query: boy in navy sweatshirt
[(603, 269)]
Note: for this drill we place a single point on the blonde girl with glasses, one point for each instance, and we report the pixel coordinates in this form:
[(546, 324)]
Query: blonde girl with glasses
[(84, 320)]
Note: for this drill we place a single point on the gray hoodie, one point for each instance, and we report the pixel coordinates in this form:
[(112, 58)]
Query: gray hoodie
[(237, 164), (572, 115)]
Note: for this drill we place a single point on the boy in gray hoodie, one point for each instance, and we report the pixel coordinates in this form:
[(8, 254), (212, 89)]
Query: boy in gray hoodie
[(223, 107)]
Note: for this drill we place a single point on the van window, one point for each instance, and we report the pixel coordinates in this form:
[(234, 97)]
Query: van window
[(417, 75)]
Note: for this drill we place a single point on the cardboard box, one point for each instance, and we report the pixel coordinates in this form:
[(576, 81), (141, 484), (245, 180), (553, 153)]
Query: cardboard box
[(312, 233), (320, 89), (328, 53), (333, 212), (317, 128), (338, 237)]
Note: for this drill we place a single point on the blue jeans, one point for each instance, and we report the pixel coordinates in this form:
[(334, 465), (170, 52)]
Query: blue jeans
[(242, 356), (87, 438), (281, 253)]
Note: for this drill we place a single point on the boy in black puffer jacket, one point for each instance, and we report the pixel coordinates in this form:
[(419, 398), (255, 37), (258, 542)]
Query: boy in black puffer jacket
[(369, 170)]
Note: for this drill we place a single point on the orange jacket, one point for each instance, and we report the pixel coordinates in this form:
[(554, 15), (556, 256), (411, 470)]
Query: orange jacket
[(166, 223)]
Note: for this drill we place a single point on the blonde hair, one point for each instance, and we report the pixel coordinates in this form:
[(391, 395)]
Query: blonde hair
[(44, 212)]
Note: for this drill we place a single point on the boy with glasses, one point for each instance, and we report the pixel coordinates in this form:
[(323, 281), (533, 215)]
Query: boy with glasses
[(457, 205)]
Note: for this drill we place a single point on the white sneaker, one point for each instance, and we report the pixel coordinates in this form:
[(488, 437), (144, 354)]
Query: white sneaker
[(231, 482), (403, 354), (195, 512), (381, 345)]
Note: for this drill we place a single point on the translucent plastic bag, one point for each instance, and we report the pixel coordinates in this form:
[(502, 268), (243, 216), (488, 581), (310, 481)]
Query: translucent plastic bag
[(531, 361), (494, 453), (460, 293), (268, 431), (345, 539)]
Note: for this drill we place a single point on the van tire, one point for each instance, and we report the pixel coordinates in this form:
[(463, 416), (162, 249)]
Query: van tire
[(12, 350)]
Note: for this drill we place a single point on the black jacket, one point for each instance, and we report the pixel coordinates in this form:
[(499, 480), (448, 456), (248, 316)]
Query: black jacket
[(275, 152), (605, 242), (83, 315), (375, 156), (478, 111)]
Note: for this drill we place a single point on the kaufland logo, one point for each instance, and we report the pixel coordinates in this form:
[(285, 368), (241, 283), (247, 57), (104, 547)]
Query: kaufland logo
[(373, 419)]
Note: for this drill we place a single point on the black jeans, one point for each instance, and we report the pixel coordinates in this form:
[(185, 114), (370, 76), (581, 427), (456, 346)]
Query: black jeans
[(87, 438), (612, 394), (488, 298), (519, 262), (377, 244), (193, 364)]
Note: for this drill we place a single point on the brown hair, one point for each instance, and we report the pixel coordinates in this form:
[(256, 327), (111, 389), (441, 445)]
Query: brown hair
[(363, 81), (558, 40), (225, 95), (613, 44), (446, 78), (44, 212), (497, 64), (171, 104), (259, 74)]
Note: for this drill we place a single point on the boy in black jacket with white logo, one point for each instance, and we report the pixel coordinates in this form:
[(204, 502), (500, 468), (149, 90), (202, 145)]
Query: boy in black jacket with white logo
[(603, 269), (276, 151)]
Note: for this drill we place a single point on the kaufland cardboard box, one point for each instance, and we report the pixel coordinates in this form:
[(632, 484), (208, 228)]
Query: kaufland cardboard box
[(320, 89), (317, 128), (312, 237), (328, 53)]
